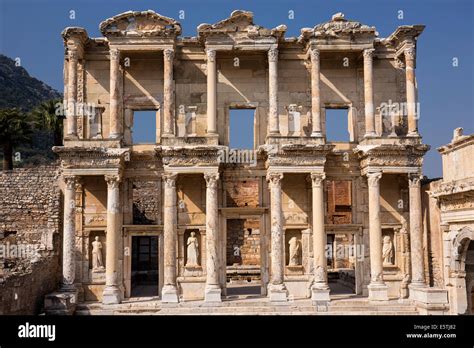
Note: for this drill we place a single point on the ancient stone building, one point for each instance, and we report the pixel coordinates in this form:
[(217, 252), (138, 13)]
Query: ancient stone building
[(191, 218)]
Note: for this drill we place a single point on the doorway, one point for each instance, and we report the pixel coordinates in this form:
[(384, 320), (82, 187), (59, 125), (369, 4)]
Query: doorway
[(144, 276), (341, 262)]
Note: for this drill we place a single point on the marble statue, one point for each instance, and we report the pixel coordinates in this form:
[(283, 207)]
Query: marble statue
[(294, 251), (387, 250), (193, 250), (97, 264)]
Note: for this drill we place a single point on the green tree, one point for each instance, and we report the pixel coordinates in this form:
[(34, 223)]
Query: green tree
[(15, 129), (46, 117)]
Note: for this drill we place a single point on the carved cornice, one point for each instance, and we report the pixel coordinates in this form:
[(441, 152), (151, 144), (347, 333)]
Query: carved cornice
[(182, 156), (91, 157), (295, 154), (391, 155)]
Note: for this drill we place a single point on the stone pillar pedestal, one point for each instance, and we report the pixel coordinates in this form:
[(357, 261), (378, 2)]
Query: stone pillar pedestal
[(211, 92), (273, 92), (276, 289), (169, 293), (212, 291), (378, 290), (320, 288), (112, 293)]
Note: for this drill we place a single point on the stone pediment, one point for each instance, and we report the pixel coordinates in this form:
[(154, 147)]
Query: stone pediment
[(337, 26), (140, 24), (239, 24)]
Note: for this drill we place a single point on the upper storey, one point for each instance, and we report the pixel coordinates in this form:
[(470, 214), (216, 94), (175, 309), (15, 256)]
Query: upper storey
[(193, 83)]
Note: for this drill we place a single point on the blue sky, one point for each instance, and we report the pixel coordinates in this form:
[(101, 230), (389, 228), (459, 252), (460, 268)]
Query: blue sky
[(30, 30)]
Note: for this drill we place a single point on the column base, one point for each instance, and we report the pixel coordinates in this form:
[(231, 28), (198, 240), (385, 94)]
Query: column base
[(212, 294), (413, 134), (111, 295), (61, 302), (317, 134), (429, 300), (278, 293), (378, 292), (320, 298), (370, 135), (169, 294)]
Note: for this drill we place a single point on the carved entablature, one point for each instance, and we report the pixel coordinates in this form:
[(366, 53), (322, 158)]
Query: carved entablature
[(196, 156), (75, 38), (339, 28), (403, 38), (457, 201), (391, 158), (445, 189), (92, 157), (140, 24), (296, 155), (239, 28)]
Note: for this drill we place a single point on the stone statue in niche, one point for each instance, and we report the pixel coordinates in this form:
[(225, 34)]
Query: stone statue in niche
[(193, 250), (97, 263), (295, 251), (387, 250)]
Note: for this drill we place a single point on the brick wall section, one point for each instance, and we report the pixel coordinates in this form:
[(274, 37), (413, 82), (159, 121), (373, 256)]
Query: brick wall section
[(146, 207), (238, 235), (241, 193), (30, 214)]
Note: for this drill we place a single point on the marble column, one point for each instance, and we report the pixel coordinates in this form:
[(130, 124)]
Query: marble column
[(369, 94), (169, 293), (69, 234), (416, 231), (377, 287), (168, 119), (213, 290), (320, 288), (72, 94), (211, 91), (273, 91), (411, 91), (115, 97), (112, 293), (315, 93), (276, 289)]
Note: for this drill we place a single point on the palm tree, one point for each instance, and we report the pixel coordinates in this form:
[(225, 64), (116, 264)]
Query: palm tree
[(46, 116), (14, 130)]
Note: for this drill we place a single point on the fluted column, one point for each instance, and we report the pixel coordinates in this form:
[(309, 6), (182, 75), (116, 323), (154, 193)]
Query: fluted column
[(377, 287), (69, 234), (273, 91), (211, 91), (169, 292), (72, 94), (213, 289), (315, 93), (411, 91), (114, 111), (276, 288), (369, 94), (416, 231), (112, 293), (168, 119), (319, 239)]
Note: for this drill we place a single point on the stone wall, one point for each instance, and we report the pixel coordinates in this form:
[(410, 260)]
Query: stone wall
[(30, 221)]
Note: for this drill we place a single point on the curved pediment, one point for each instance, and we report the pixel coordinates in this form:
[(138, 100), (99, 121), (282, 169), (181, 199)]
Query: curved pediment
[(141, 24), (239, 23)]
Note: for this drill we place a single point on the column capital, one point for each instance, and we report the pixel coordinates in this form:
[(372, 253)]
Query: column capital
[(73, 54), (114, 54), (414, 180), (211, 179), (274, 178), (314, 54), (211, 55), (168, 54), (170, 179), (70, 181), (368, 53), (112, 180), (410, 53), (317, 179), (374, 178), (273, 55)]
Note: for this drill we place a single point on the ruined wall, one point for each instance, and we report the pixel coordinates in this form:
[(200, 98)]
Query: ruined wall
[(30, 221)]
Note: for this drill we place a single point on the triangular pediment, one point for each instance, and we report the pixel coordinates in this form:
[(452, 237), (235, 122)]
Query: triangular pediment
[(140, 23)]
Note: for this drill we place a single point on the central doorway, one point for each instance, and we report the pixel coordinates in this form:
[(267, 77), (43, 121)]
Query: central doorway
[(144, 276)]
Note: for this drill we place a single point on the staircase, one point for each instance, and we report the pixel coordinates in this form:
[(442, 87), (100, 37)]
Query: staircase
[(248, 306)]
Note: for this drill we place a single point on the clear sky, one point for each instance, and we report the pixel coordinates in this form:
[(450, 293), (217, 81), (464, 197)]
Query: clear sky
[(30, 30)]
